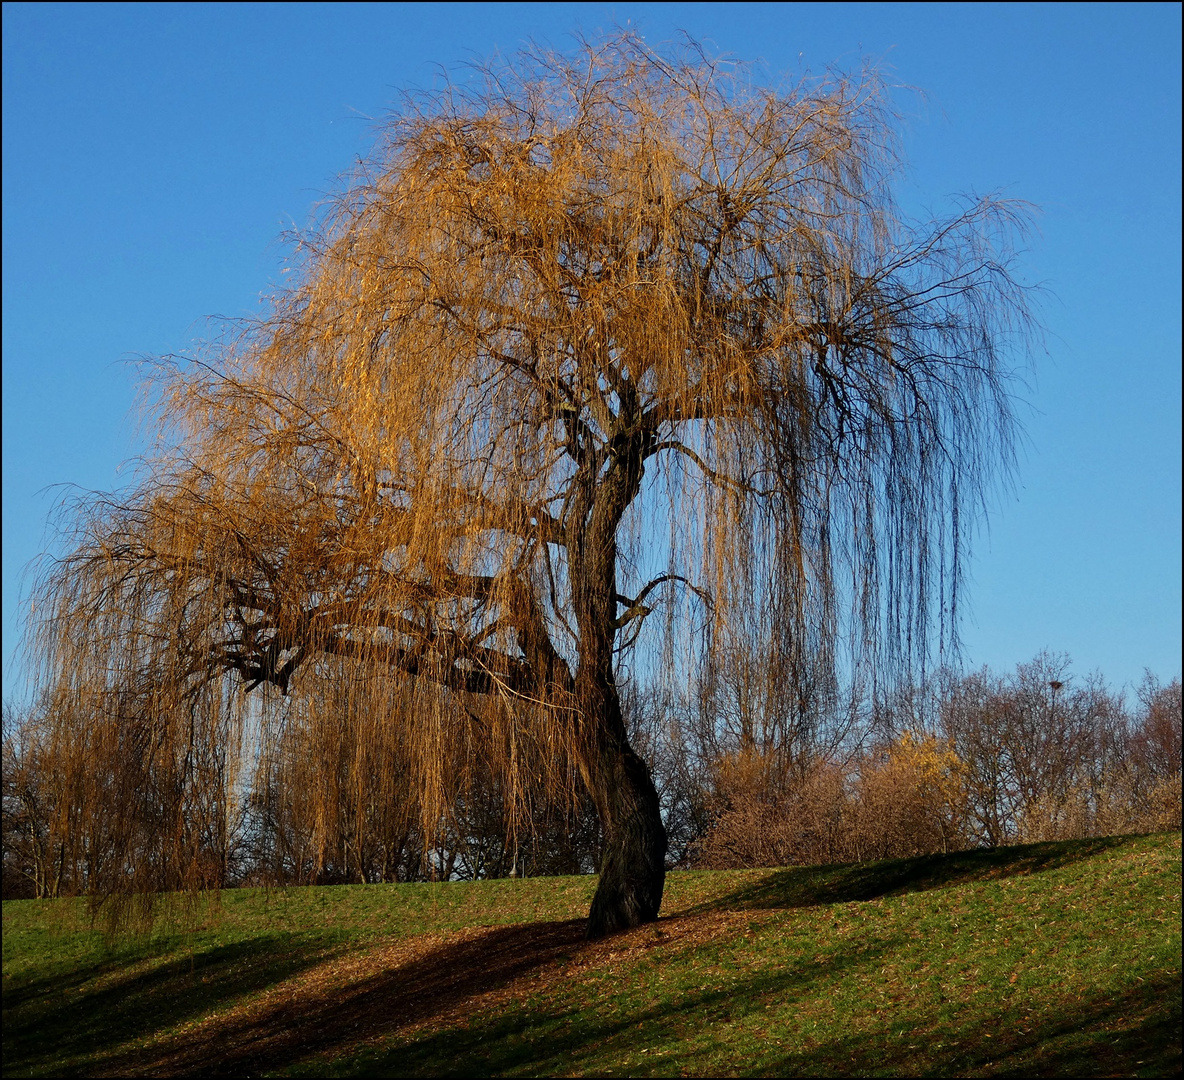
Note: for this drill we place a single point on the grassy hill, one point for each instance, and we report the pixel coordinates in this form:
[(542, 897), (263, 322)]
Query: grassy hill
[(1049, 959)]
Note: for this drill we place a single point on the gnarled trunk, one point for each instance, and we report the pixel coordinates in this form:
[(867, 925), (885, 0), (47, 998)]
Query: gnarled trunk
[(633, 861), (633, 864)]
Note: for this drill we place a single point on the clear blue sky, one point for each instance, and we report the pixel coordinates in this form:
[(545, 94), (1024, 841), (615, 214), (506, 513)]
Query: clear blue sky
[(153, 154)]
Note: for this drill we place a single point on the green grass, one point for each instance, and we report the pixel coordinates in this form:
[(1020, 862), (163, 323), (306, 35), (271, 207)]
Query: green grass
[(1049, 959)]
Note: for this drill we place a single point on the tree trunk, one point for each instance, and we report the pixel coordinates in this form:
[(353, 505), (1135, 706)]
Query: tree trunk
[(633, 860), (633, 863)]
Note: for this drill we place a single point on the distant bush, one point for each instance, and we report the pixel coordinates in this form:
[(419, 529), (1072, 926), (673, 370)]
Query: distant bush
[(907, 797)]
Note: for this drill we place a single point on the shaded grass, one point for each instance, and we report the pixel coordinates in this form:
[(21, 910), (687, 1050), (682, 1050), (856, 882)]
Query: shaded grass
[(1049, 959)]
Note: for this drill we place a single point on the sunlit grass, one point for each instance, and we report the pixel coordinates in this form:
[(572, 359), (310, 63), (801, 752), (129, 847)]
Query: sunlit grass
[(1051, 959)]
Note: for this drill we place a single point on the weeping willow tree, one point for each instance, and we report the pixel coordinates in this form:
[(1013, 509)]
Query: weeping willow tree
[(597, 351)]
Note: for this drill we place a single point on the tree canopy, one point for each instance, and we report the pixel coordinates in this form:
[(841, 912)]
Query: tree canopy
[(598, 349)]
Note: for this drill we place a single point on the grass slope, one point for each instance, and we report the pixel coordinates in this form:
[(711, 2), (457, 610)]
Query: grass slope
[(1049, 959)]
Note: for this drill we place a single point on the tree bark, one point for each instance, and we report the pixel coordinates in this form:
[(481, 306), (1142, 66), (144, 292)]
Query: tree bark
[(633, 860)]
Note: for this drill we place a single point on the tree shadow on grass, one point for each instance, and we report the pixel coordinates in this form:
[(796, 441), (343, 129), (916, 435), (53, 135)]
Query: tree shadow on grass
[(444, 1010), (724, 1031), (535, 1037), (1136, 1033), (438, 983), (810, 886), (48, 1022)]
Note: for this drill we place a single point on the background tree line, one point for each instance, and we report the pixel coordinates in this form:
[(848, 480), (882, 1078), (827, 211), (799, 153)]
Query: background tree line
[(746, 778), (962, 761)]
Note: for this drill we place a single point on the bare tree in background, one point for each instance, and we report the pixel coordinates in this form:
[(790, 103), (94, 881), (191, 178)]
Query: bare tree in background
[(600, 336)]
